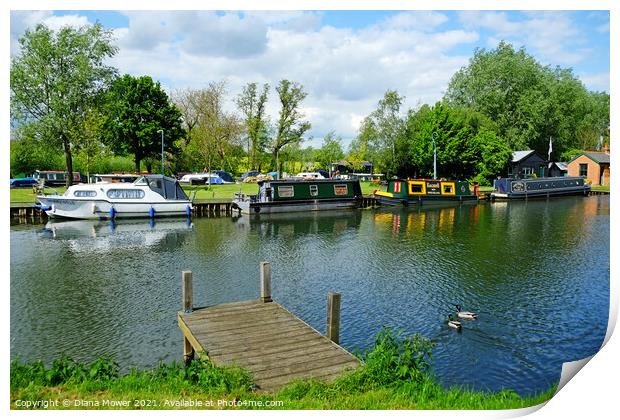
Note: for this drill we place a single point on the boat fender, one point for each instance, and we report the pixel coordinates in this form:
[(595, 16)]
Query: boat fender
[(188, 211), (151, 212), (256, 209), (94, 208), (112, 212), (404, 202), (42, 207)]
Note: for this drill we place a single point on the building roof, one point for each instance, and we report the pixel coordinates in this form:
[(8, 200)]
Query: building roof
[(598, 157), (519, 155), (563, 166)]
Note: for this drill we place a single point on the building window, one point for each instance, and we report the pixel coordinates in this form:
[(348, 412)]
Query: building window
[(126, 194), (314, 190), (583, 169), (527, 170), (85, 193), (286, 191)]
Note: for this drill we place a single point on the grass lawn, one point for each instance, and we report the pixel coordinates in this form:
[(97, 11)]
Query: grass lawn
[(203, 192), (396, 375)]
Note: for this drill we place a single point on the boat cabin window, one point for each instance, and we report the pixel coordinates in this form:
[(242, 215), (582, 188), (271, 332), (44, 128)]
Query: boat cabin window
[(314, 190), (447, 189), (341, 189), (126, 194), (140, 181), (84, 193), (416, 188), (286, 191)]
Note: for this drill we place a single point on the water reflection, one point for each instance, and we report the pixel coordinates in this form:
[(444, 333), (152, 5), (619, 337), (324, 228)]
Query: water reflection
[(90, 288), (336, 221), (102, 236)]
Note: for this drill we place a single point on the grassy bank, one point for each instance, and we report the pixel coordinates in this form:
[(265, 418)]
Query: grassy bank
[(396, 375), (203, 192)]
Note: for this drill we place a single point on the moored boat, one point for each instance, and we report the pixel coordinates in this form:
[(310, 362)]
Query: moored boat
[(148, 196), (283, 196), (409, 192), (512, 188)]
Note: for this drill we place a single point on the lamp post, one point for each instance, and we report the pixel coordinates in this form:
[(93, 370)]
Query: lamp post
[(162, 150), (434, 155)]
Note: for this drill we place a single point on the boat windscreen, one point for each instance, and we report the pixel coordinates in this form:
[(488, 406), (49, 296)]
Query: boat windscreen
[(167, 187)]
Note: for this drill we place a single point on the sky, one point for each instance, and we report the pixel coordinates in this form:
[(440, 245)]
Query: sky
[(344, 59)]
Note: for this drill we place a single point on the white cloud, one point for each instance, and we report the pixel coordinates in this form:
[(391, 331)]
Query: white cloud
[(23, 20), (424, 20), (345, 71), (596, 82), (552, 36)]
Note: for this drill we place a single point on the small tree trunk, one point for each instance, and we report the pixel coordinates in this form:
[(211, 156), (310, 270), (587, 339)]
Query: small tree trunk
[(69, 161)]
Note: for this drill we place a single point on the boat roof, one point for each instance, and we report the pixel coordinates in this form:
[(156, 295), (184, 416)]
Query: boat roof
[(307, 181)]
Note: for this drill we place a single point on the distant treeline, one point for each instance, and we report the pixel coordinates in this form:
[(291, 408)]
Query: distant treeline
[(69, 110)]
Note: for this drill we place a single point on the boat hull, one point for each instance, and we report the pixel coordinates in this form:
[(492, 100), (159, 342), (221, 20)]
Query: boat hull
[(537, 194), (247, 207), (69, 208), (424, 201), (521, 189)]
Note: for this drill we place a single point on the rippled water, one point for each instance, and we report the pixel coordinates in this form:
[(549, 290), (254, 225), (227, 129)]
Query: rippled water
[(537, 273)]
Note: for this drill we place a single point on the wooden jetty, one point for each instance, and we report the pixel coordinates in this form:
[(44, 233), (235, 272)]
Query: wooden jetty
[(263, 337), (26, 212)]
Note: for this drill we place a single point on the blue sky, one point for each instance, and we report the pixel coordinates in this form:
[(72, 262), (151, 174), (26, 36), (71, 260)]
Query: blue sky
[(344, 59)]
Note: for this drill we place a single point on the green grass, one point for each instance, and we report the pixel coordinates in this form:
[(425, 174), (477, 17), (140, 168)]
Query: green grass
[(396, 374), (203, 192), (604, 188)]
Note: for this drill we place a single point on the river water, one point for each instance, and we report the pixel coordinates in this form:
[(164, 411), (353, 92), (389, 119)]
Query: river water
[(537, 274)]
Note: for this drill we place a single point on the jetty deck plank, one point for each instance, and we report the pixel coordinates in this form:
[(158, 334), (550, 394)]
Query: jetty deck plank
[(274, 345)]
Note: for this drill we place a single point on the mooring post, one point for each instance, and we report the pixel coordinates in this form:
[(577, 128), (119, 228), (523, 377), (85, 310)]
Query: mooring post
[(333, 317), (188, 306), (265, 282)]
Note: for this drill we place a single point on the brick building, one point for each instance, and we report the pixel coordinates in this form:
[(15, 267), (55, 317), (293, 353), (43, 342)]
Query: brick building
[(593, 165)]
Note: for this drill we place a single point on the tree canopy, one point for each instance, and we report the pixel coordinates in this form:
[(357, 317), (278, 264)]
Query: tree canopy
[(136, 110), (56, 79), (529, 102)]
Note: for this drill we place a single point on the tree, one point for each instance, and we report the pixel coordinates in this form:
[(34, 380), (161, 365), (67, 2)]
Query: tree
[(529, 102), (290, 127), (330, 151), (136, 110), (467, 145), (383, 131), (252, 106), (55, 80), (90, 132), (217, 132)]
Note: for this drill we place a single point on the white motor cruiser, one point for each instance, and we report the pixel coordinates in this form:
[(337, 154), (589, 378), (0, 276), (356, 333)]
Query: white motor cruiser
[(148, 196)]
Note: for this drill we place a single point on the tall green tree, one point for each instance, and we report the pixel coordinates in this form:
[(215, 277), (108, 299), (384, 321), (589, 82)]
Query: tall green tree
[(291, 125), (136, 109), (56, 78), (330, 151), (383, 130), (252, 105), (467, 144), (529, 102)]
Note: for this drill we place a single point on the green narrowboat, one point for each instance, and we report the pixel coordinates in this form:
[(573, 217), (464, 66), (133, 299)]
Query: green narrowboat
[(406, 192), (283, 196)]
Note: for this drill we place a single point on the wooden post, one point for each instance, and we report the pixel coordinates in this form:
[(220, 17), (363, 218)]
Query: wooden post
[(333, 317), (265, 282), (188, 305), (188, 351)]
